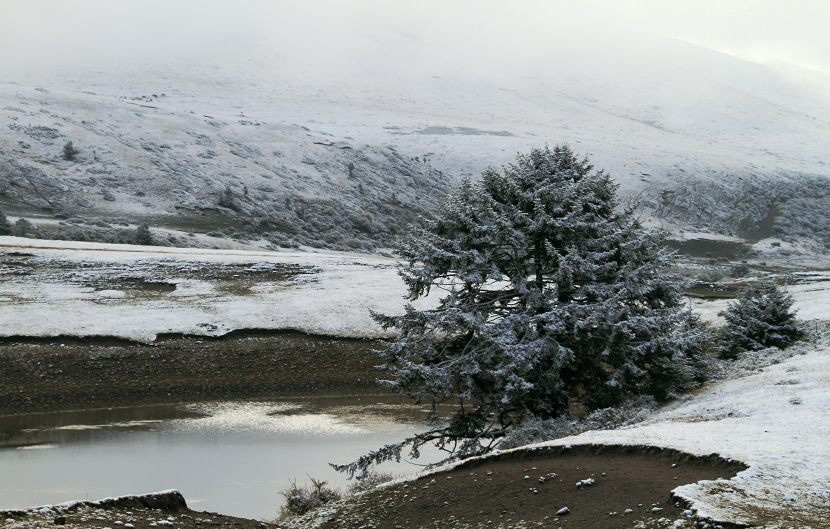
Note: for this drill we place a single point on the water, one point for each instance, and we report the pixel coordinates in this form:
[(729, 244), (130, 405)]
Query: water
[(231, 458)]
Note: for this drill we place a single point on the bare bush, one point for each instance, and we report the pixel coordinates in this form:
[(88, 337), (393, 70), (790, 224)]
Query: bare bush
[(302, 499), (372, 480)]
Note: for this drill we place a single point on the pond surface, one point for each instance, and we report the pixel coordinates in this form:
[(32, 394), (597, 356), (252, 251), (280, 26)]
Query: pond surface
[(232, 457)]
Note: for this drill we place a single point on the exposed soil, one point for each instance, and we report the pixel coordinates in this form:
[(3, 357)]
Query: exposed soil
[(710, 248), (528, 489), (164, 511), (631, 489), (70, 373)]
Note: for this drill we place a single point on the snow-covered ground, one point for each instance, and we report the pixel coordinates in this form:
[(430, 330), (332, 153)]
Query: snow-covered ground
[(64, 295), (777, 421), (79, 289), (811, 295)]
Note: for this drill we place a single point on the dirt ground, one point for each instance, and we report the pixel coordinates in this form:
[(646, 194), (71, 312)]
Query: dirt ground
[(631, 488), (67, 374), (166, 510)]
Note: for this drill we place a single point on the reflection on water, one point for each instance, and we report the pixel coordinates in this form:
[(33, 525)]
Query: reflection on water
[(232, 457)]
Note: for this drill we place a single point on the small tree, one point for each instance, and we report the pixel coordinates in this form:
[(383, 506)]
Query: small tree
[(761, 317), (143, 236), (5, 225), (551, 299), (69, 151), (227, 198), (22, 228)]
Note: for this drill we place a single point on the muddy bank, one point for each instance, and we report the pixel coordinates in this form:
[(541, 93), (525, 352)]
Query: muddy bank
[(712, 248), (621, 487), (158, 510), (64, 374)]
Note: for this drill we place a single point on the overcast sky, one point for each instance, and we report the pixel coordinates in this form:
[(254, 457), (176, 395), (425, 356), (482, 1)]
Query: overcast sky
[(37, 34)]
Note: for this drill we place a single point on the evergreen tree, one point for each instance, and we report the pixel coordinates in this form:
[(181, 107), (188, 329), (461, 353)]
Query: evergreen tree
[(143, 236), (69, 151), (551, 298), (227, 198), (5, 225), (22, 228), (759, 318)]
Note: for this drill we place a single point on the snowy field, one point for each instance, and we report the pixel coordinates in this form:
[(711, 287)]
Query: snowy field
[(54, 288), (60, 288)]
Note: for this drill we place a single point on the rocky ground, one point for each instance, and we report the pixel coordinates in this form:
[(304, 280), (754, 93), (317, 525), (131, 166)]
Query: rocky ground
[(48, 375), (161, 510)]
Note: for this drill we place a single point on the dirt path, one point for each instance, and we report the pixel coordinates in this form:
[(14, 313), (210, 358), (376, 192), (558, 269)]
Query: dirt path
[(65, 374), (527, 490)]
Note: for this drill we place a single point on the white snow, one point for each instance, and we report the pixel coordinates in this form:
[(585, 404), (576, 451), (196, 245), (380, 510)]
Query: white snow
[(752, 420), (811, 299), (335, 300), (686, 114)]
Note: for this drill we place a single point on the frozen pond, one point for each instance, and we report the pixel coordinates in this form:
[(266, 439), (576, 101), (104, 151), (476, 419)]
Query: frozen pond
[(232, 458)]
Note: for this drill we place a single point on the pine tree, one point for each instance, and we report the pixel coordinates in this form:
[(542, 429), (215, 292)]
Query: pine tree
[(69, 151), (22, 228), (143, 236), (761, 317), (227, 198), (5, 225), (551, 298)]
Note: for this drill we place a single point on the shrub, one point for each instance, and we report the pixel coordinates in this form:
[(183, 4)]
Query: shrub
[(143, 236), (537, 430), (227, 198), (761, 317), (300, 500), (69, 151), (22, 228), (372, 480), (5, 226)]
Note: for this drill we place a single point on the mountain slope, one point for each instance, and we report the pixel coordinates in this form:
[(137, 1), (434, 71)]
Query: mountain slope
[(703, 140)]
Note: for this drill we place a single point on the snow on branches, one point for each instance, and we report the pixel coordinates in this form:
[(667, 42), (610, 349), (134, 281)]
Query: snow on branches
[(553, 300)]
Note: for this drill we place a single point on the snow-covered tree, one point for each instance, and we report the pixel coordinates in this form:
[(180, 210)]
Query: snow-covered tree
[(227, 199), (552, 298), (142, 235), (69, 151), (761, 317), (5, 225), (22, 228)]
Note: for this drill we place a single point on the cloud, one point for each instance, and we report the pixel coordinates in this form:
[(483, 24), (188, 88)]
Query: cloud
[(320, 37)]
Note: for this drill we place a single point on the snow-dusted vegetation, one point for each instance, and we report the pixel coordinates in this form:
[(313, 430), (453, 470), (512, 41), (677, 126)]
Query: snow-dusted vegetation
[(346, 161), (585, 250), (550, 301)]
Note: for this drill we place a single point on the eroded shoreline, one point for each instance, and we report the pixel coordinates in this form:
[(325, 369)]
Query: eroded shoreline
[(58, 374)]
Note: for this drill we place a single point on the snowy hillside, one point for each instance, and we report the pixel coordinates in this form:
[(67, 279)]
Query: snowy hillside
[(150, 157), (345, 160)]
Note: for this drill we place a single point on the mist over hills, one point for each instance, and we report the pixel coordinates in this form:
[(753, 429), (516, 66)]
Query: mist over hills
[(321, 154)]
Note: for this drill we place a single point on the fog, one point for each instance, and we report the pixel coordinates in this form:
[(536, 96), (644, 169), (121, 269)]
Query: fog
[(314, 39)]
